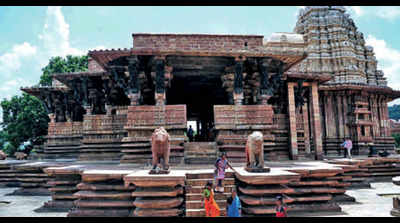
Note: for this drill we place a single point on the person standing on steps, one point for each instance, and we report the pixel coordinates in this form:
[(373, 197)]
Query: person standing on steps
[(211, 207), (348, 145), (190, 133), (280, 209), (221, 164), (233, 207)]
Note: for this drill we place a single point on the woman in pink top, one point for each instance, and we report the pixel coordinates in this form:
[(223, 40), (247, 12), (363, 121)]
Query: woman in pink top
[(348, 145)]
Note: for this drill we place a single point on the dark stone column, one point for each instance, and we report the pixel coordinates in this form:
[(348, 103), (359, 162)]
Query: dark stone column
[(238, 82), (160, 81), (265, 88), (134, 87)]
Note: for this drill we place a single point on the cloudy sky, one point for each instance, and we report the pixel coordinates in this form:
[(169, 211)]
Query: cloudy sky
[(29, 36)]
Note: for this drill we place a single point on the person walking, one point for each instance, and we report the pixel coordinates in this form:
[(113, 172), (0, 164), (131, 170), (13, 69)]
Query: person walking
[(280, 209), (233, 207), (348, 145), (211, 207), (190, 133), (221, 165)]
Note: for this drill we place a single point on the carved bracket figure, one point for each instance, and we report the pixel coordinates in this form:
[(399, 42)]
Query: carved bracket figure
[(133, 68), (299, 94), (160, 149), (255, 153), (238, 79), (47, 101), (160, 76)]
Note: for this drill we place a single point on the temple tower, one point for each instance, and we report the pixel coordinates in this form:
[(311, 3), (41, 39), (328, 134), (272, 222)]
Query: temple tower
[(353, 102)]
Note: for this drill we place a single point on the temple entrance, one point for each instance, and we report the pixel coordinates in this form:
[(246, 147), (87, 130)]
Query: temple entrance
[(197, 83)]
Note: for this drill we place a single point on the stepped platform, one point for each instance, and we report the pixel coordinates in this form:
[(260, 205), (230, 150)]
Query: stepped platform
[(158, 195), (112, 189), (102, 193)]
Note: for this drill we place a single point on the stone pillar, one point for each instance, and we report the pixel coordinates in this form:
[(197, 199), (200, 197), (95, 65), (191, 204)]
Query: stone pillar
[(263, 71), (160, 81), (292, 122), (238, 82), (133, 86), (306, 129), (316, 121), (340, 115)]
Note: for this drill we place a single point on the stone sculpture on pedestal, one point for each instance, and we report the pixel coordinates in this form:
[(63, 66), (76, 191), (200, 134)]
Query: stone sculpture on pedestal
[(255, 153), (160, 149)]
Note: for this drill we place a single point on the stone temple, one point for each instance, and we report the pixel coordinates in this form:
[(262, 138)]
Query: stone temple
[(303, 92), (306, 91)]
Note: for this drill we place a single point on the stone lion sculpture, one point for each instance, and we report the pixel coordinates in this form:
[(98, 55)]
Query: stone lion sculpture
[(255, 150), (20, 155), (3, 156), (160, 148)]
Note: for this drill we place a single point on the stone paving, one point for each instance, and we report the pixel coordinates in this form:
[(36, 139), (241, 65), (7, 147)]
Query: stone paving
[(23, 206), (369, 203)]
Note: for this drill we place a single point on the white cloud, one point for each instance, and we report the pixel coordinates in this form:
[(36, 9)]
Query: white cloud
[(55, 34), (355, 10), (387, 60), (10, 62), (388, 12)]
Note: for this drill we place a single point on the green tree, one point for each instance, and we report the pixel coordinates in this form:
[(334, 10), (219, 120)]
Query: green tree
[(63, 65), (394, 112), (24, 117), (397, 139)]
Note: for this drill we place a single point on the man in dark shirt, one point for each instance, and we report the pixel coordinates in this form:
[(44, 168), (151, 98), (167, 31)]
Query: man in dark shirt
[(190, 133)]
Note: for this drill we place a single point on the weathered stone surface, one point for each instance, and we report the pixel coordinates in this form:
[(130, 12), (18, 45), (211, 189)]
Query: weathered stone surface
[(157, 192), (144, 179), (99, 212), (157, 212), (275, 176), (157, 203)]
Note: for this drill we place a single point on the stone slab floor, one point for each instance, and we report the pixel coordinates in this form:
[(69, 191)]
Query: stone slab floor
[(369, 203), (23, 206)]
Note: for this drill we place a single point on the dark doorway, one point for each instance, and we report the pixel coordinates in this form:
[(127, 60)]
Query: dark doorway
[(200, 88)]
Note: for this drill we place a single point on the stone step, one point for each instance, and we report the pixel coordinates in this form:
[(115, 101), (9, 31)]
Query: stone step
[(199, 196), (200, 189), (207, 175), (103, 203), (199, 204), (92, 212), (202, 213), (203, 182), (103, 194), (200, 160)]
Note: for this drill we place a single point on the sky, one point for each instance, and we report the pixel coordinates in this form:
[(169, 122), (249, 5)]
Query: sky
[(30, 36)]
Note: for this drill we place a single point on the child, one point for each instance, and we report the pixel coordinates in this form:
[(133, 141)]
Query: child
[(212, 209), (233, 208), (280, 208), (221, 164)]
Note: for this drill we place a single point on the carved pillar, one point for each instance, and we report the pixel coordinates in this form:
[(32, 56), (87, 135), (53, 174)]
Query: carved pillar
[(133, 86), (306, 128), (263, 71), (238, 82), (340, 115), (292, 122), (316, 121), (160, 81)]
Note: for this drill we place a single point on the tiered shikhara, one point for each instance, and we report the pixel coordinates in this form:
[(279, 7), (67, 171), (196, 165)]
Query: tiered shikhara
[(305, 91)]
